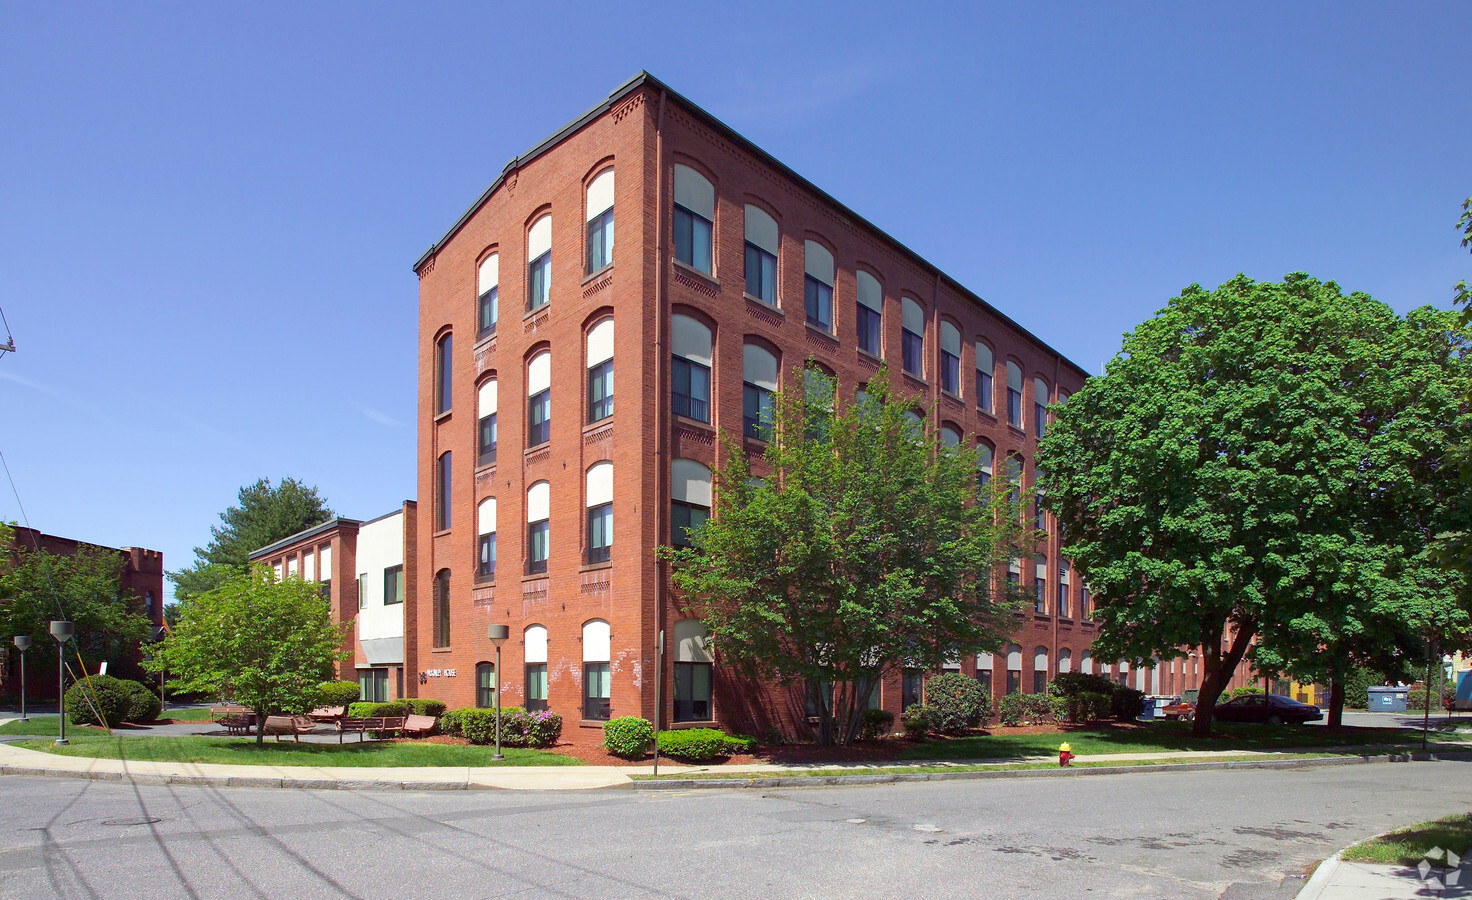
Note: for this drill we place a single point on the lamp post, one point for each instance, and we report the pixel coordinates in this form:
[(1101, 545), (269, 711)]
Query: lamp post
[(497, 634), (22, 641), (61, 629), (159, 632)]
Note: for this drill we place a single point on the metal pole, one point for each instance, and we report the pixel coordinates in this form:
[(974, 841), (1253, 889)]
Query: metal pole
[(658, 683), (1426, 715), (60, 694), (23, 716), (498, 702)]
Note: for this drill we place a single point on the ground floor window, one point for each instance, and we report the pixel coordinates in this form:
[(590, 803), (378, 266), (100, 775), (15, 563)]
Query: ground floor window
[(910, 688), (692, 692), (485, 684), (817, 694), (1039, 682), (596, 692), (536, 686), (984, 678), (373, 685), (1014, 681)]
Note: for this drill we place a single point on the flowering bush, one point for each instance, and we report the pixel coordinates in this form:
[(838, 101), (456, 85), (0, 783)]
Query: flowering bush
[(519, 728)]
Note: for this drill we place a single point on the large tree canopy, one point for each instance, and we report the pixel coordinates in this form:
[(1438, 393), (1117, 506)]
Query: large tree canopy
[(266, 514), (1229, 477), (861, 549)]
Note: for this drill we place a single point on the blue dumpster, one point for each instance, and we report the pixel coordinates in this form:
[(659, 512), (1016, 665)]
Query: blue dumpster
[(1388, 699), (1148, 713)]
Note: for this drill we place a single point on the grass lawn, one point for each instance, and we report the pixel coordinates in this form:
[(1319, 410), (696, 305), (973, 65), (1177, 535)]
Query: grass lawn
[(1157, 737), (243, 751), (47, 724), (1408, 846)]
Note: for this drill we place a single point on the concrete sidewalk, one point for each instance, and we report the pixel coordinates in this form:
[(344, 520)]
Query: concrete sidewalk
[(1336, 879)]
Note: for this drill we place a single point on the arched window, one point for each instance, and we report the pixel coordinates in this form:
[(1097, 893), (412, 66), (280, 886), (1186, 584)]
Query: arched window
[(539, 269), (600, 221), (442, 608), (1014, 669), (986, 461), (539, 399), (487, 290), (950, 436), (950, 359), (1065, 660), (485, 566), (689, 499), (984, 663), (444, 368), (912, 337), (538, 510), (692, 672), (1014, 394), (695, 210), (1040, 584), (486, 410), (1086, 663), (1040, 670), (985, 365), (1039, 406), (1084, 603), (600, 511), (485, 685), (1039, 515), (818, 285), (597, 692), (758, 382), (690, 346), (534, 642), (442, 492), (870, 310), (600, 371), (762, 242), (1014, 478), (1063, 588)]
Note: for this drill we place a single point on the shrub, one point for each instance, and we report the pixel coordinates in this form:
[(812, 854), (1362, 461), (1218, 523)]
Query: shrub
[(956, 703), (919, 719), (450, 722), (423, 706), (1246, 690), (366, 709), (628, 736), (875, 723), (1126, 704), (1357, 684), (108, 694), (740, 743), (519, 728), (338, 693), (1071, 684), (1034, 708), (1086, 708), (143, 704), (1416, 699), (694, 744)]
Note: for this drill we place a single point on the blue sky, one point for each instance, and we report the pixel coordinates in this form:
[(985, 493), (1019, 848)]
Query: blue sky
[(208, 212)]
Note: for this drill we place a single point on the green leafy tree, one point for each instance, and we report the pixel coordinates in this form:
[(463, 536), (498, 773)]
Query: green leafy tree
[(862, 549), (265, 644), (36, 587), (266, 514), (1215, 484), (1463, 297)]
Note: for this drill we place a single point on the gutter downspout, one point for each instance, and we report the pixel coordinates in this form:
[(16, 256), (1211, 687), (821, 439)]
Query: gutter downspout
[(661, 397), (1057, 541)]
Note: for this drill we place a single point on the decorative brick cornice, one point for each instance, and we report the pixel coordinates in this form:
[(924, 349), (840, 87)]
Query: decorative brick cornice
[(600, 284), (628, 106)]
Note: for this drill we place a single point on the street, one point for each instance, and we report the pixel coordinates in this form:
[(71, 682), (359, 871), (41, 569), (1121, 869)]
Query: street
[(1234, 834)]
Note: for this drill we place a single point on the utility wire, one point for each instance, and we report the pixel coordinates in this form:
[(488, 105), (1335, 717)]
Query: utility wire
[(55, 594)]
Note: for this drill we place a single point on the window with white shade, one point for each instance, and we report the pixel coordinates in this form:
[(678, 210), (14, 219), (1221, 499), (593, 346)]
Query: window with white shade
[(950, 436), (538, 509), (309, 566), (985, 364), (293, 567), (600, 371), (597, 689), (986, 460), (1086, 663), (912, 337), (1014, 478), (689, 499), (444, 368), (539, 399), (762, 242), (1014, 669), (1014, 394), (600, 221), (534, 644), (487, 291), (1040, 584), (818, 285), (984, 664), (485, 524), (692, 672), (1064, 586), (485, 401), (1039, 406), (690, 344), (1065, 660), (758, 384), (599, 491), (870, 312), (695, 211), (539, 268), (1040, 670), (324, 559), (950, 359)]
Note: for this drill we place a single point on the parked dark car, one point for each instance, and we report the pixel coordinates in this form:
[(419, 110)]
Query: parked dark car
[(1273, 710)]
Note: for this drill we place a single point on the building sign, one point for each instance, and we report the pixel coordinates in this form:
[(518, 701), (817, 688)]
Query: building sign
[(440, 673)]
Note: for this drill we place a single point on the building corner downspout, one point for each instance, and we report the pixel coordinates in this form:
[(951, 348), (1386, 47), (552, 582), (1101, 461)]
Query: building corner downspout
[(661, 418)]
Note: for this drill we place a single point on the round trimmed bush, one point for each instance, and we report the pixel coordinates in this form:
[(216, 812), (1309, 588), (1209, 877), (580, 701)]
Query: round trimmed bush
[(629, 737), (143, 704), (919, 720), (339, 693), (875, 723), (111, 699), (694, 744), (956, 703), (423, 706)]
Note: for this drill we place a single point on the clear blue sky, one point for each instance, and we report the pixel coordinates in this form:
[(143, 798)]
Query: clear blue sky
[(208, 212)]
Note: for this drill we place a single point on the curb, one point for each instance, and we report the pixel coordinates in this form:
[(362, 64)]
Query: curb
[(898, 778), (1319, 883)]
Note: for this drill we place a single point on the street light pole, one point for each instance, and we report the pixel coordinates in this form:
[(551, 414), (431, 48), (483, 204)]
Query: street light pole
[(22, 641), (497, 634), (61, 629), (158, 635)]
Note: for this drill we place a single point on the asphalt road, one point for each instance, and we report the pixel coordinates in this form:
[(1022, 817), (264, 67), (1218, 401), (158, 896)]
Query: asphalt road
[(1235, 834)]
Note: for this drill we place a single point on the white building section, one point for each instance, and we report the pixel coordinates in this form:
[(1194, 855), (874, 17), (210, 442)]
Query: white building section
[(380, 619)]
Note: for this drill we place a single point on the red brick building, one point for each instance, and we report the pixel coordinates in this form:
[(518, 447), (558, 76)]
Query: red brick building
[(547, 498)]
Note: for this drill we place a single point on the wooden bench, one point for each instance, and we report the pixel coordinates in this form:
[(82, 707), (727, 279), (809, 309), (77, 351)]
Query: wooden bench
[(292, 725), (218, 713), (383, 726), (240, 724), (419, 726), (327, 714)]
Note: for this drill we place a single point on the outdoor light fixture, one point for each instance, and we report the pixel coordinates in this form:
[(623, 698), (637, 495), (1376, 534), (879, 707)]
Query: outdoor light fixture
[(62, 630), (22, 641), (497, 634)]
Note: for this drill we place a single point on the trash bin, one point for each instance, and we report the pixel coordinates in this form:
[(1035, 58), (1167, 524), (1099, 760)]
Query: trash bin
[(1388, 699), (1148, 712)]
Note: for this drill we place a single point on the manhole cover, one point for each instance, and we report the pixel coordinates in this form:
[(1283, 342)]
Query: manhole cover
[(139, 820)]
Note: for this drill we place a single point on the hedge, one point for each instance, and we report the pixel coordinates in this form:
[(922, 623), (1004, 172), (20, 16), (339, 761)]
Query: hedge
[(956, 703), (338, 693), (701, 744), (1035, 708), (367, 709), (519, 728), (424, 706), (629, 737)]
